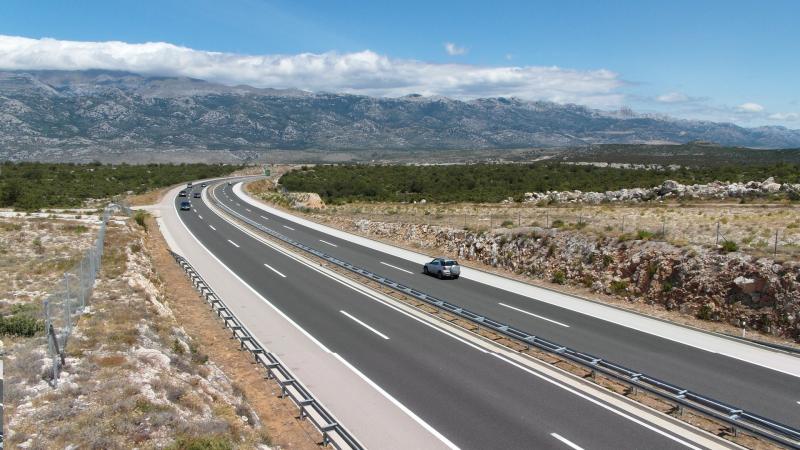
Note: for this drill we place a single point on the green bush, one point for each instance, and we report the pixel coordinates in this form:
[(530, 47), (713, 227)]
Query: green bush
[(729, 246), (559, 277), (643, 235), (20, 325), (202, 443), (558, 223), (139, 218), (507, 224), (619, 287)]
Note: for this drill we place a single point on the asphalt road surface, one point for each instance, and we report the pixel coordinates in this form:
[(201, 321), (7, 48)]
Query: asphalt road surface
[(759, 389), (474, 398)]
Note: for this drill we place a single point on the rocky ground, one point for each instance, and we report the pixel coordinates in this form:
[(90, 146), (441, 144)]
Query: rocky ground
[(705, 285), (137, 373)]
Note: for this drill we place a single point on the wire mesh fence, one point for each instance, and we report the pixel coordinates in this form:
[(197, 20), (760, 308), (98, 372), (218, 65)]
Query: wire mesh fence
[(71, 296)]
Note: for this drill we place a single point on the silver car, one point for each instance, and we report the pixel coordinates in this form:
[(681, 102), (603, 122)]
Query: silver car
[(442, 268)]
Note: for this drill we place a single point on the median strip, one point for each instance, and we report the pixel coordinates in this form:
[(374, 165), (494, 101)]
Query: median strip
[(365, 325), (534, 315), (273, 269)]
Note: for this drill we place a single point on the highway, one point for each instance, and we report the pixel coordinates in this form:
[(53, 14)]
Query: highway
[(471, 397), (764, 391)]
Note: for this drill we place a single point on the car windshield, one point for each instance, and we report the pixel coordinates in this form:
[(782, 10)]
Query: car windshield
[(450, 262)]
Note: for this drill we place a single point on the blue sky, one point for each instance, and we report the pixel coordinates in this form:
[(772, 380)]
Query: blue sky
[(731, 61)]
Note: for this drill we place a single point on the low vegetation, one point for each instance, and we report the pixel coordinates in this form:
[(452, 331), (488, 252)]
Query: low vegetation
[(32, 186), (338, 184)]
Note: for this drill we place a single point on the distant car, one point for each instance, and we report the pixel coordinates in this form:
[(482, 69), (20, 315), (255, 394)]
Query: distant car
[(186, 206), (196, 195), (203, 185), (442, 268), (182, 194), (229, 183), (189, 184)]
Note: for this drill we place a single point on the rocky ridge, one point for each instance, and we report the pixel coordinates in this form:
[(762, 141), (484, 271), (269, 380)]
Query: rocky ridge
[(671, 189)]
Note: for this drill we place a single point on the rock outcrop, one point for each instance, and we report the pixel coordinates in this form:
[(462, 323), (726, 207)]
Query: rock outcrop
[(671, 189)]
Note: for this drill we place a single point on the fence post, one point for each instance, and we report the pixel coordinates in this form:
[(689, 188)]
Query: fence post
[(547, 218), (623, 223), (716, 242), (67, 313), (775, 252)]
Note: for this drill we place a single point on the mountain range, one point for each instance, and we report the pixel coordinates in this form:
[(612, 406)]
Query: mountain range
[(79, 115)]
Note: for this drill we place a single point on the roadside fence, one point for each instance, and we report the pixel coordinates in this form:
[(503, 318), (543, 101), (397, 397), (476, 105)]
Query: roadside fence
[(69, 299)]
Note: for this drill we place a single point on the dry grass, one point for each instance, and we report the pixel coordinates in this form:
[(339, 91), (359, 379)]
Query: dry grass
[(134, 376)]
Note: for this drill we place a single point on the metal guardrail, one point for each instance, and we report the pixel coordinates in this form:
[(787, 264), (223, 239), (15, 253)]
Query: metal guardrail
[(332, 432), (736, 418)]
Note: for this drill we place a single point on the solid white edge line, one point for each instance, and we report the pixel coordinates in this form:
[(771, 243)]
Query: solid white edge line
[(316, 341), (534, 315), (566, 441), (212, 227), (288, 227), (329, 243), (364, 325), (273, 269), (596, 402), (233, 243), (397, 403)]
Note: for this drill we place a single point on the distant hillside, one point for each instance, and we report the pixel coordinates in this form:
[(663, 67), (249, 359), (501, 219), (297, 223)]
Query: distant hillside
[(692, 155), (80, 115)]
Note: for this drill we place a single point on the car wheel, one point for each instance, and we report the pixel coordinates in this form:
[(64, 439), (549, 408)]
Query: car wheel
[(441, 277), (455, 277), (425, 270)]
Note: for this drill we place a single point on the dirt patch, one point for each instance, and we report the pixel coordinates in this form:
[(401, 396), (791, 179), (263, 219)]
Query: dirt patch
[(279, 416)]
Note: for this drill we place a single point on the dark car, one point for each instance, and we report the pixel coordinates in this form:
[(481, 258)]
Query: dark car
[(196, 195), (182, 194), (186, 206), (442, 267)]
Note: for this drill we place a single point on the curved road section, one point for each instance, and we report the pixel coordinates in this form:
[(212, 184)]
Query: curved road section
[(392, 378)]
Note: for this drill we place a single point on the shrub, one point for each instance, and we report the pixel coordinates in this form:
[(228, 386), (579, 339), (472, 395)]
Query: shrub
[(643, 235), (139, 217), (705, 312), (202, 443), (558, 223), (507, 224), (729, 246), (559, 277), (20, 325), (666, 287), (619, 287)]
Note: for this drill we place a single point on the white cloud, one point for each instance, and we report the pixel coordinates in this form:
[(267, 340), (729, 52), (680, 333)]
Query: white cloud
[(789, 117), (673, 97), (750, 107), (453, 50), (364, 72)]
